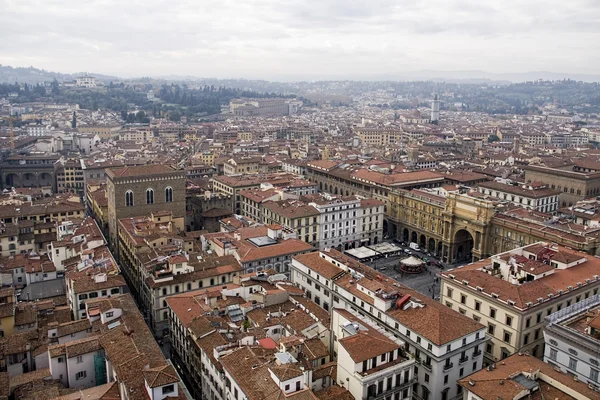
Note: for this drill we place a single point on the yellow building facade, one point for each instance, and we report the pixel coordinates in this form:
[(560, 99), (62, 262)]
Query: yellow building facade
[(454, 228)]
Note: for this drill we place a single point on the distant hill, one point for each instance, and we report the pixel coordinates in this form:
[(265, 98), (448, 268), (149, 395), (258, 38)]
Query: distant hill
[(33, 75), (477, 77)]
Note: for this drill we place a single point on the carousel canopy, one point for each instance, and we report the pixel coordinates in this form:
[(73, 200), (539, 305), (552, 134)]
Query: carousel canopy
[(411, 261)]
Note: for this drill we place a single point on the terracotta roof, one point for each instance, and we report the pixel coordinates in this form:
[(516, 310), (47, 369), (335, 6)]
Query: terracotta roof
[(322, 164), (161, 376), (4, 386), (197, 274), (258, 195), (529, 292), (208, 343), (314, 349), (82, 346), (366, 344), (258, 385), (83, 283), (108, 391), (286, 371), (370, 203), (130, 346), (320, 265), (291, 208), (7, 310), (25, 314), (518, 190), (506, 381), (141, 170), (328, 369), (28, 377), (334, 393), (73, 327), (185, 307), (285, 247), (399, 179), (267, 343)]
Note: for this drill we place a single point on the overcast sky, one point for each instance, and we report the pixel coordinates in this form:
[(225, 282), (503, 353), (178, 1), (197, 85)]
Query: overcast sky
[(300, 39)]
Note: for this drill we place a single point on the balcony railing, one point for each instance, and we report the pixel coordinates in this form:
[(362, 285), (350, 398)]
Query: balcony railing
[(427, 366), (448, 366), (476, 353), (463, 360), (390, 392)]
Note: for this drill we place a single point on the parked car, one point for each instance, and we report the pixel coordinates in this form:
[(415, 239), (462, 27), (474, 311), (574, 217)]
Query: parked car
[(407, 251)]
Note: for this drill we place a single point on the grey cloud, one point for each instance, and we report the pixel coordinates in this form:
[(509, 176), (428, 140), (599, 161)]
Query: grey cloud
[(263, 38)]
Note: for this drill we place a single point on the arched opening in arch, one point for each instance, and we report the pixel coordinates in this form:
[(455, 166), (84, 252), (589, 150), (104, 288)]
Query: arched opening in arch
[(431, 246), (13, 180), (405, 235), (422, 241), (45, 179), (29, 180), (464, 245)]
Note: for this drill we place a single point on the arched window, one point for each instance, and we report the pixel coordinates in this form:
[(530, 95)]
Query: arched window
[(129, 198), (149, 196), (169, 194)]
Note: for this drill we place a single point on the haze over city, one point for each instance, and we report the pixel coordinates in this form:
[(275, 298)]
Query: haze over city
[(299, 200), (294, 40)]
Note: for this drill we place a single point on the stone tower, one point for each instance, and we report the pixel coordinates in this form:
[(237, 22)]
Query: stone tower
[(435, 109)]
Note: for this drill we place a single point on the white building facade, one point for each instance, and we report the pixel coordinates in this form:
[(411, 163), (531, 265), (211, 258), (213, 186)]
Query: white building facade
[(572, 338), (441, 362), (339, 220)]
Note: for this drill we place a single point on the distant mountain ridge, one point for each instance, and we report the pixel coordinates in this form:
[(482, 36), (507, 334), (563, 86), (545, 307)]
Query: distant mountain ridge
[(33, 75), (513, 77)]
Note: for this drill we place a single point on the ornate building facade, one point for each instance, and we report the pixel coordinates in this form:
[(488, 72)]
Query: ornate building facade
[(460, 228), (453, 228)]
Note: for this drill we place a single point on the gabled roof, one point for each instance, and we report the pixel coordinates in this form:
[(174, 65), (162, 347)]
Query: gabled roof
[(161, 376)]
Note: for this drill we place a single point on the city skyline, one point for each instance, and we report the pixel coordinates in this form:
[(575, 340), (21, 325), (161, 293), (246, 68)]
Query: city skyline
[(301, 41)]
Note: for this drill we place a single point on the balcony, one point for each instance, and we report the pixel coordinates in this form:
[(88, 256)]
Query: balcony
[(448, 366), (391, 391), (463, 360), (427, 366), (476, 353)]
